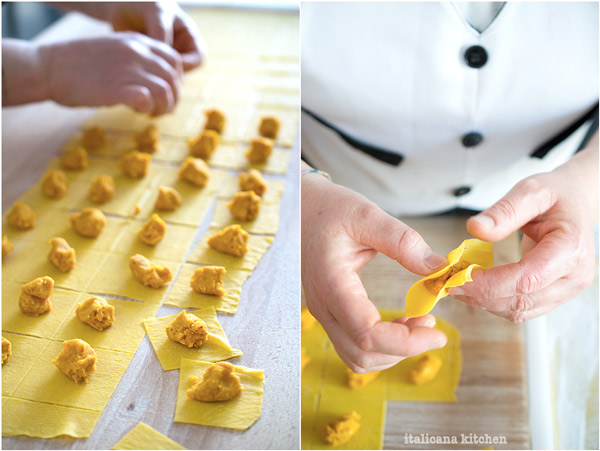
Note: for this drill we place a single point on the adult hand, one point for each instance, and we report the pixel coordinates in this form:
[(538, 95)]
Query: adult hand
[(163, 21), (341, 232), (556, 212), (127, 68)]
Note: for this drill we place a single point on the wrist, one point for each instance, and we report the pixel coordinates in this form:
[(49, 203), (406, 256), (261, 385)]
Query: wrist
[(44, 72)]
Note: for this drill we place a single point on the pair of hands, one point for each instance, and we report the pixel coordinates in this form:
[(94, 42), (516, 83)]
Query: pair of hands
[(141, 65), (342, 231)]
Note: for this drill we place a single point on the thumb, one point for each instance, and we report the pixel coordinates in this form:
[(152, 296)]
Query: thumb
[(137, 97), (398, 241), (525, 201)]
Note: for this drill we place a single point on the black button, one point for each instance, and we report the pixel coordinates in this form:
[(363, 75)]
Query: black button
[(472, 139), (476, 56), (462, 191)]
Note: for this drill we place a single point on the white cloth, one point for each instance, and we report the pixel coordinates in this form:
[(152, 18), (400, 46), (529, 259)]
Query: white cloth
[(479, 14), (394, 75)]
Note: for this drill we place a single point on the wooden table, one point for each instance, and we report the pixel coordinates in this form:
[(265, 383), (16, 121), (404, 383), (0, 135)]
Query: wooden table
[(492, 393), (266, 326)]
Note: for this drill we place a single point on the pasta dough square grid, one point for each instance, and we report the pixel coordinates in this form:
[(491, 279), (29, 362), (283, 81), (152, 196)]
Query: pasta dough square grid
[(182, 294), (125, 334), (257, 245), (273, 193), (195, 201), (144, 437), (115, 278), (238, 413), (170, 353), (173, 247), (36, 419), (233, 157), (44, 326), (46, 383), (38, 265), (25, 352), (266, 223)]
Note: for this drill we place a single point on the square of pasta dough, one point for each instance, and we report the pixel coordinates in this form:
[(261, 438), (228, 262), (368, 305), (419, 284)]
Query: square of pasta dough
[(308, 407), (182, 294), (45, 325), (15, 261), (170, 353), (271, 195), (372, 421), (195, 201), (36, 419), (125, 334), (238, 413), (25, 352), (115, 278), (79, 278), (266, 223), (233, 157), (46, 383), (257, 247), (144, 437), (174, 246)]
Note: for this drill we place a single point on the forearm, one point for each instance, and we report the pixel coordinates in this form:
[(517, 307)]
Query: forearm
[(23, 73)]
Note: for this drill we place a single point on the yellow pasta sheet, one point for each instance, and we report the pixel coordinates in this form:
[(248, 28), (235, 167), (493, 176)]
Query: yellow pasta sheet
[(144, 437), (182, 294), (272, 195), (25, 352), (266, 223), (257, 247), (115, 278), (471, 254), (36, 419), (170, 353), (195, 201), (233, 157), (46, 325), (238, 413), (47, 384), (125, 334), (174, 246)]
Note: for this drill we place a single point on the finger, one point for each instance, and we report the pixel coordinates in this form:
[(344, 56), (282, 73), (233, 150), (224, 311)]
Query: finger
[(160, 27), (420, 321), (162, 94), (137, 97), (350, 306), (547, 262), (519, 317), (377, 229), (560, 290), (161, 69), (527, 200), (189, 43), (164, 51)]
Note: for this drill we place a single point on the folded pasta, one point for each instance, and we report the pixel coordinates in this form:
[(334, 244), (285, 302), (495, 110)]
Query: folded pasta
[(471, 254)]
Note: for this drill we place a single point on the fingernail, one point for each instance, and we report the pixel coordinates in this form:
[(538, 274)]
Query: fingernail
[(485, 221), (433, 260), (456, 291)]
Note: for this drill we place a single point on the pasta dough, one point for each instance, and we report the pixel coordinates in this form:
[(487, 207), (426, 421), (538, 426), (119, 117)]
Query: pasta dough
[(266, 223), (27, 350), (231, 157), (471, 254), (42, 326), (36, 419), (169, 353), (44, 383), (182, 294), (238, 413), (257, 246), (144, 437), (120, 282), (125, 334)]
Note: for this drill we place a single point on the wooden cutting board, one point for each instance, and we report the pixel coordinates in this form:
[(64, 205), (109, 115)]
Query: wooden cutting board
[(492, 394)]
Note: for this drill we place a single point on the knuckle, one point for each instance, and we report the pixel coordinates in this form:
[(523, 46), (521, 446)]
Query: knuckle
[(364, 341), (516, 317), (531, 185), (368, 212), (529, 282), (360, 363), (409, 239), (522, 303), (505, 210)]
